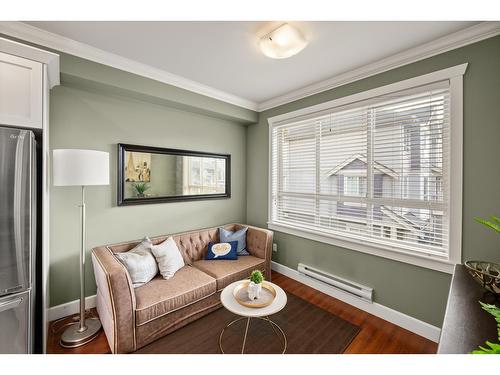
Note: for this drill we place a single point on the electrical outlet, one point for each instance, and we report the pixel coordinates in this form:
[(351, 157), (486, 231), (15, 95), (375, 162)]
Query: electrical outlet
[(275, 247)]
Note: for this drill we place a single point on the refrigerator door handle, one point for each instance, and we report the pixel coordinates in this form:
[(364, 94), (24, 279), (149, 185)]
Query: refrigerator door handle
[(10, 304), (31, 205), (21, 182), (31, 240)]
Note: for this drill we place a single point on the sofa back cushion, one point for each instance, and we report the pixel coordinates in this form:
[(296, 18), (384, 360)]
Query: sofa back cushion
[(239, 236), (193, 245)]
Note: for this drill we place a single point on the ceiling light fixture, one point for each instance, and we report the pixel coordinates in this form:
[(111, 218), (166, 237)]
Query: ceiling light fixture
[(283, 42)]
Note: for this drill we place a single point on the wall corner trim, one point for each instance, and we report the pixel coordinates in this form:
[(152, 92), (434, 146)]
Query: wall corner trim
[(408, 322)]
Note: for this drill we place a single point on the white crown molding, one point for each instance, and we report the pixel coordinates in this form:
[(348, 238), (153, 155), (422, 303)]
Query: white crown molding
[(31, 53), (57, 42), (395, 317), (458, 39)]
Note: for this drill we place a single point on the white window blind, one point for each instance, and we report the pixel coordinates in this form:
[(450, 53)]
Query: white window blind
[(375, 171)]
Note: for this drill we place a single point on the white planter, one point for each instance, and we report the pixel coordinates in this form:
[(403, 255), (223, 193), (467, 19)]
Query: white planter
[(254, 290)]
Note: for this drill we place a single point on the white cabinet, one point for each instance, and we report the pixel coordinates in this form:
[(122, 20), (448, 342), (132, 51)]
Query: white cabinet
[(21, 85), (26, 76)]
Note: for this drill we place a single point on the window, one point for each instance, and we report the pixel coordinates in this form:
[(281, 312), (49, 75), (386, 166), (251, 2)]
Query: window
[(387, 231), (400, 234), (204, 175), (371, 174), (355, 186)]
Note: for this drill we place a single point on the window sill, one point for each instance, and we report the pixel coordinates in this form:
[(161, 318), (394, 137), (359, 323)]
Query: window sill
[(425, 261)]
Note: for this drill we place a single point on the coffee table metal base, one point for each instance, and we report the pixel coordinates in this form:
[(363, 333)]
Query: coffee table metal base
[(276, 328)]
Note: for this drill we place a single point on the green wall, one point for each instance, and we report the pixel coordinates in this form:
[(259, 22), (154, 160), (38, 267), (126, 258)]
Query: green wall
[(413, 290), (99, 119), (90, 75), (97, 107)]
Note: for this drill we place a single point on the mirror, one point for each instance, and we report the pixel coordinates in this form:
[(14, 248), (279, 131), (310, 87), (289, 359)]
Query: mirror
[(155, 175)]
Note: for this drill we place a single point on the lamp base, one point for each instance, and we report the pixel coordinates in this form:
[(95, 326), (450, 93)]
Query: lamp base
[(72, 338)]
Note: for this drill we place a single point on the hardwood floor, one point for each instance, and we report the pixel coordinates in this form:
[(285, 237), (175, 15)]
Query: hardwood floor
[(376, 336), (98, 346)]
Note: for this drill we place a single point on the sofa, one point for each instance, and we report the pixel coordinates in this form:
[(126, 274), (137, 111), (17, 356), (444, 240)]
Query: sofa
[(132, 318)]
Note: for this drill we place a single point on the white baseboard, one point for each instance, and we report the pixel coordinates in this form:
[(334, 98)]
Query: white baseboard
[(70, 308), (398, 318)]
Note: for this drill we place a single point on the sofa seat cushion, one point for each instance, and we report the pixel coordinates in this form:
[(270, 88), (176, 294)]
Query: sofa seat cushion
[(229, 271), (160, 297)]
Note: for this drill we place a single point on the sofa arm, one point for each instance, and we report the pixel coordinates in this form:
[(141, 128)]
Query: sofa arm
[(259, 244), (115, 300)]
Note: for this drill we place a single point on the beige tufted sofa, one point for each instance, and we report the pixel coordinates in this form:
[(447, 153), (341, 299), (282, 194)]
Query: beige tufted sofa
[(133, 318)]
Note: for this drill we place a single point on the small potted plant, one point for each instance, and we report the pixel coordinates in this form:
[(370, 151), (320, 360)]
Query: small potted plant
[(140, 189), (255, 286)]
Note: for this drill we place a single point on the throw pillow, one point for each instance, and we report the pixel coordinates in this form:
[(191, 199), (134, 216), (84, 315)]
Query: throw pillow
[(140, 263), (240, 236), (222, 250), (168, 257)]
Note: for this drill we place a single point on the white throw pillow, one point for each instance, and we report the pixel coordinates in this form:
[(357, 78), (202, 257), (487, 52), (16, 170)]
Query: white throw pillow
[(140, 263), (169, 257)]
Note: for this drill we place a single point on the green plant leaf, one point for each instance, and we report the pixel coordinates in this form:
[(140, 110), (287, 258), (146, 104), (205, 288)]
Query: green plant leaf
[(492, 309), (141, 187), (495, 224), (493, 349), (481, 350)]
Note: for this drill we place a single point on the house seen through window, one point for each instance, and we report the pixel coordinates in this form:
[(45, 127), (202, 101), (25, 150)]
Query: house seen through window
[(372, 172)]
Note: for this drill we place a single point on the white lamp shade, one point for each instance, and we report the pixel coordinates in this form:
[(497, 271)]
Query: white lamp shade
[(73, 167)]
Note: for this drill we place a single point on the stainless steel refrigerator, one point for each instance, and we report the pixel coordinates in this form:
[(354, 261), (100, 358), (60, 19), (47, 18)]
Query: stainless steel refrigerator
[(17, 239)]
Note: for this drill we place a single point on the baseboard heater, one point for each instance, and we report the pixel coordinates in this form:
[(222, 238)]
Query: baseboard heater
[(361, 291)]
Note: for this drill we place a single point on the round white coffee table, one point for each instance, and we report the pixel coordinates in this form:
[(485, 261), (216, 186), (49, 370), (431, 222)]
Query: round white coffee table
[(263, 313)]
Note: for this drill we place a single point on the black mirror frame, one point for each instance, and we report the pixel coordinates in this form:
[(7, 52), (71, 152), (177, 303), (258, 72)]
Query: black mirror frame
[(122, 201)]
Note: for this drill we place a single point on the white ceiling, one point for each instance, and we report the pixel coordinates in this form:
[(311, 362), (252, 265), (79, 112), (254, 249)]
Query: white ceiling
[(225, 55)]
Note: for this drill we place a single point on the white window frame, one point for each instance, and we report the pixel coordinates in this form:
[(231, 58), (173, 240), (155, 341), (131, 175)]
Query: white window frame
[(455, 170)]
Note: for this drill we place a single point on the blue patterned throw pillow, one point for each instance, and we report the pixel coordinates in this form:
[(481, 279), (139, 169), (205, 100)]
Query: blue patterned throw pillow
[(240, 236), (222, 250)]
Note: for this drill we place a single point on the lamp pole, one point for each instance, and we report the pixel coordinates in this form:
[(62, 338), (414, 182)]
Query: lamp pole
[(83, 327), (84, 331), (76, 167)]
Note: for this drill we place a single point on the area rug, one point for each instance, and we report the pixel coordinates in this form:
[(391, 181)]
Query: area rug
[(308, 329)]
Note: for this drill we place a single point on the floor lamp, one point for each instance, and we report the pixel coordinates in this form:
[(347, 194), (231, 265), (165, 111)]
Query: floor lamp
[(80, 168)]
